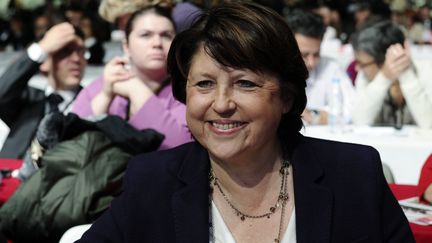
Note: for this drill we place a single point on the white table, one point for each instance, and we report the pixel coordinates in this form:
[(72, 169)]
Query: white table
[(404, 151)]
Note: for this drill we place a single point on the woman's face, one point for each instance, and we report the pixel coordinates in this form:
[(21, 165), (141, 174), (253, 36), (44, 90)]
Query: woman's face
[(366, 64), (233, 113), (149, 42)]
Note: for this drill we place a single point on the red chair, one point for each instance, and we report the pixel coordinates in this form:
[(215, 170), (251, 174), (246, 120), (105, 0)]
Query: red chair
[(8, 185), (422, 234), (425, 176)]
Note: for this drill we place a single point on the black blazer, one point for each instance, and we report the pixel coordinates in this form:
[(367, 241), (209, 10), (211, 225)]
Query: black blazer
[(21, 107), (340, 196)]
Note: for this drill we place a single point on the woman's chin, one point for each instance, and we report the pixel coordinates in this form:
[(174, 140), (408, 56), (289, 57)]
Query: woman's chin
[(225, 152)]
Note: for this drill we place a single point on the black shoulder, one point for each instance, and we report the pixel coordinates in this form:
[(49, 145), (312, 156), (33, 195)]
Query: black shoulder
[(341, 157), (337, 149), (158, 165)]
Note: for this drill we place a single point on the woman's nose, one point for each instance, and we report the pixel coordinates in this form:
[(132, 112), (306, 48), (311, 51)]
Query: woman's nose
[(157, 40), (223, 102)]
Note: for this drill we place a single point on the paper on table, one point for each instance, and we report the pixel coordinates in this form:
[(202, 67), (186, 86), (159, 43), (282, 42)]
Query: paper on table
[(416, 211), (414, 203), (426, 220)]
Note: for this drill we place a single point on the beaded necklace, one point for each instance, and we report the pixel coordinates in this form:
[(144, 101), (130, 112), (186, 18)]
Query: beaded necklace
[(280, 202)]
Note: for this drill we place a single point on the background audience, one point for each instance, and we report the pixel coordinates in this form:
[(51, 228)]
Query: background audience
[(392, 88), (308, 29), (93, 42)]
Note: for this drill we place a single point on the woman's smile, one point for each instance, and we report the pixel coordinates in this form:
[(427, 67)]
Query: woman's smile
[(226, 127)]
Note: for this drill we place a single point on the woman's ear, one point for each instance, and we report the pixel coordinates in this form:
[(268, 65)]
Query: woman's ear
[(125, 48), (287, 105)]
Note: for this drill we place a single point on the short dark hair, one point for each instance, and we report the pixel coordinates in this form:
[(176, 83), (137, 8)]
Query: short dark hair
[(306, 23), (157, 9), (376, 38), (245, 36)]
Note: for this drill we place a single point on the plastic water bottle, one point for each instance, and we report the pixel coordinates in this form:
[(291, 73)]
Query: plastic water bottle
[(336, 120)]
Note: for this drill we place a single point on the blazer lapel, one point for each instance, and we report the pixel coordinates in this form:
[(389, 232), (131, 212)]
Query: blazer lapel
[(313, 200), (191, 200)]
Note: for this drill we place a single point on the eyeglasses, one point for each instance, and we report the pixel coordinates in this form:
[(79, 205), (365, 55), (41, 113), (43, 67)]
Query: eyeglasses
[(363, 65), (69, 49)]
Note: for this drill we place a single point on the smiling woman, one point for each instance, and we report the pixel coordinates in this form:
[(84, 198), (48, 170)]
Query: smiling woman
[(233, 113), (249, 176)]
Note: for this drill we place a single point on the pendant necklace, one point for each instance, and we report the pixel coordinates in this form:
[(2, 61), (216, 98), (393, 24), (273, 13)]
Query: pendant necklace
[(280, 202)]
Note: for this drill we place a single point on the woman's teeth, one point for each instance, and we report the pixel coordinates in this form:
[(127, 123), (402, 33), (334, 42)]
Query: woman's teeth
[(226, 126)]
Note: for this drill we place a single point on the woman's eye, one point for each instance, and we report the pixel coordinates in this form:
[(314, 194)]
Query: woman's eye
[(167, 35), (246, 83), (205, 84), (145, 34)]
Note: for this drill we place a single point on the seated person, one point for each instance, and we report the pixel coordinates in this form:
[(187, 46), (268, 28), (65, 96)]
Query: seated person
[(392, 89), (162, 112), (309, 29), (60, 57), (137, 87), (90, 26), (250, 176), (41, 24)]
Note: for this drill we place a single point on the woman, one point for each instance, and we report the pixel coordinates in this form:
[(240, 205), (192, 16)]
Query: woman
[(250, 176), (392, 89), (137, 88)]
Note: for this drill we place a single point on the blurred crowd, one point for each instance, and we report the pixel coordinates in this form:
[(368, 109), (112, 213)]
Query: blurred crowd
[(342, 18), (23, 26)]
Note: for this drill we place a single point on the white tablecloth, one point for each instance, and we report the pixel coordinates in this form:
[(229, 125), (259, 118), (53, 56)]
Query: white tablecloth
[(404, 151)]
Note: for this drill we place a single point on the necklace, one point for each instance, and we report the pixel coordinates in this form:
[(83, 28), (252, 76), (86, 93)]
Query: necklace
[(280, 202)]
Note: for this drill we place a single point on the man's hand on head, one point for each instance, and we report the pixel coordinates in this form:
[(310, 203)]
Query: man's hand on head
[(57, 37)]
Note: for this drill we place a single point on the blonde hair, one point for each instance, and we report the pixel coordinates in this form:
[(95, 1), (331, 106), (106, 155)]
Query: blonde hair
[(110, 10)]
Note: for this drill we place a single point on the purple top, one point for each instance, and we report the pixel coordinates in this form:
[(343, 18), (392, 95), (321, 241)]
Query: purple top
[(161, 112)]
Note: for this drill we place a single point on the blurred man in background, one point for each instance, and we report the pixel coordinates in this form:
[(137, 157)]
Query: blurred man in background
[(309, 30)]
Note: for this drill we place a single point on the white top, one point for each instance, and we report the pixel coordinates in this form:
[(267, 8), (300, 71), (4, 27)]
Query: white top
[(221, 233), (416, 88), (319, 87), (75, 233)]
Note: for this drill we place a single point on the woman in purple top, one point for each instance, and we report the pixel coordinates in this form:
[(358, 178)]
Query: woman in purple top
[(137, 87)]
